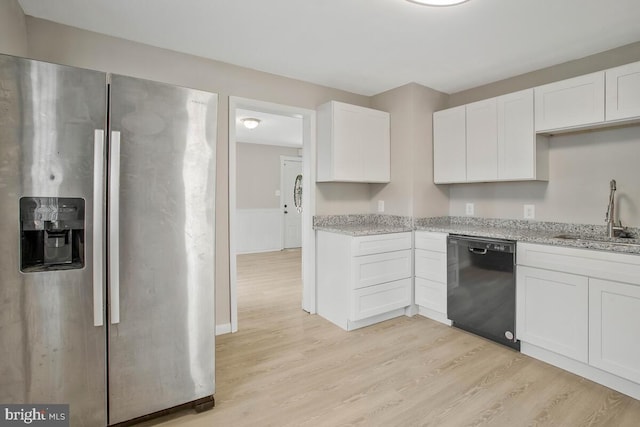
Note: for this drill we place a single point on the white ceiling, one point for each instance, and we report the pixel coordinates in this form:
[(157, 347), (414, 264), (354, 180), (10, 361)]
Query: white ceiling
[(365, 46), (274, 129)]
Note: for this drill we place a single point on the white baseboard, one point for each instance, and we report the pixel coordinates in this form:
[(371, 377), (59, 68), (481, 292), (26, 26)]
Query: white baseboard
[(594, 374), (223, 329), (434, 315)]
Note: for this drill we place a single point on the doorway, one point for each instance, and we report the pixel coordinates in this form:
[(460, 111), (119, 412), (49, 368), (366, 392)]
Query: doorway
[(308, 302)]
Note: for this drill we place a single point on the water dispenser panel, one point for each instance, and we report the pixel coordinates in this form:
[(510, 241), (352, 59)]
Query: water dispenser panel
[(51, 233)]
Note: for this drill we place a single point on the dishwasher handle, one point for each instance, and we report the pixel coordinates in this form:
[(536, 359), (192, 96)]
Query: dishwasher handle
[(478, 251)]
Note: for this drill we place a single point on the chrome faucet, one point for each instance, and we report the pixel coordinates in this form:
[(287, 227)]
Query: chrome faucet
[(612, 226)]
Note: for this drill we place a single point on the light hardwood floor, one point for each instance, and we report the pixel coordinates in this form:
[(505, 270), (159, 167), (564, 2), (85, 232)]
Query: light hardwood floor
[(288, 368)]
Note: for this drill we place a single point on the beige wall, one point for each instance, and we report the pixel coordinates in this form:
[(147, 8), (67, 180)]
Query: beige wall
[(589, 64), (581, 164), (53, 42), (411, 191), (13, 29), (258, 175)]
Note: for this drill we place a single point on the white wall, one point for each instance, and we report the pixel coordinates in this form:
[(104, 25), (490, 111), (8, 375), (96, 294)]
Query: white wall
[(13, 29)]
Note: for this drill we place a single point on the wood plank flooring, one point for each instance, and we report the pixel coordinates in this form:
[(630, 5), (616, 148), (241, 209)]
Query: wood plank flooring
[(288, 368)]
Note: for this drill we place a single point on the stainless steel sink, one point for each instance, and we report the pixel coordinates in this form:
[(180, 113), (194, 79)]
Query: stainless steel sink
[(626, 241)]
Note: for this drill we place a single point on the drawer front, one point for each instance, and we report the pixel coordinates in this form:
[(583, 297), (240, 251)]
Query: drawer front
[(380, 243), (431, 241), (585, 262), (380, 299), (431, 265), (380, 268), (431, 295)]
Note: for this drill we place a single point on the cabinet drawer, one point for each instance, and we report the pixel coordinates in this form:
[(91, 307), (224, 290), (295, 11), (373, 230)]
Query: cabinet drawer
[(431, 295), (431, 265), (380, 299), (380, 268), (431, 241), (380, 243)]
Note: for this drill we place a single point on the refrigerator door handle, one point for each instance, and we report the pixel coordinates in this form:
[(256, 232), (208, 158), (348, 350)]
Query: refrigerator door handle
[(114, 229), (98, 227)]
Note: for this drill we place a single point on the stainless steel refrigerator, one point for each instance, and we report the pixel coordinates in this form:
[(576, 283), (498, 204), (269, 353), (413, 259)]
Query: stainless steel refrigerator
[(106, 242)]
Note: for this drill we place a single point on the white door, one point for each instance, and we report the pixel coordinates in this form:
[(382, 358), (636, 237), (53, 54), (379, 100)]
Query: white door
[(292, 224)]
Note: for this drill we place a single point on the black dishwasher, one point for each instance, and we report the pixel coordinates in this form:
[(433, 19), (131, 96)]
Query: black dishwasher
[(481, 287)]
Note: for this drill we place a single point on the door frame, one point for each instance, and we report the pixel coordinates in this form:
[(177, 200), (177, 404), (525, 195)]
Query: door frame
[(308, 197), (282, 185)]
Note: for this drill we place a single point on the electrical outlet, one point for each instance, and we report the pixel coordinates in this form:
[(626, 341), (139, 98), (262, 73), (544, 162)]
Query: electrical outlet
[(277, 193), (380, 206), (469, 209), (529, 211)]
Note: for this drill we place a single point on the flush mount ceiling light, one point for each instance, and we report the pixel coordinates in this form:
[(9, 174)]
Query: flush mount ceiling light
[(438, 2), (250, 123)]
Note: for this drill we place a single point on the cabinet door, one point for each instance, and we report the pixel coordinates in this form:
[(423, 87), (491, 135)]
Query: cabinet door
[(375, 145), (431, 265), (623, 92), (449, 146), (431, 241), (347, 143), (614, 334), (482, 141), (552, 311), (516, 136), (570, 103), (431, 295)]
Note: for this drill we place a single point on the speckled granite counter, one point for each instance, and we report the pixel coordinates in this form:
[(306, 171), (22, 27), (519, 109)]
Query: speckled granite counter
[(532, 232), (519, 230), (364, 224)]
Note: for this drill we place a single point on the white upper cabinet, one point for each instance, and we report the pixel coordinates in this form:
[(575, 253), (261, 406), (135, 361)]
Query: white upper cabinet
[(623, 92), (522, 155), (572, 103), (482, 141), (449, 146), (353, 144), (489, 140)]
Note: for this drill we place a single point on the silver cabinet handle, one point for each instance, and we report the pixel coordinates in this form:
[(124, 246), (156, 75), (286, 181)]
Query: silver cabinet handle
[(114, 229), (98, 227)]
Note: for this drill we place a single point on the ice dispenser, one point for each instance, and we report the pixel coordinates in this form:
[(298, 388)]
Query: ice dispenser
[(51, 233)]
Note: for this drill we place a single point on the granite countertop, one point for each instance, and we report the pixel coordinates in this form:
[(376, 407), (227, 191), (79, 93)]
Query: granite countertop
[(591, 236), (364, 224)]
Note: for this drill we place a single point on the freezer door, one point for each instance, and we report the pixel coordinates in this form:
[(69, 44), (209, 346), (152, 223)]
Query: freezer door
[(161, 256), (52, 119)]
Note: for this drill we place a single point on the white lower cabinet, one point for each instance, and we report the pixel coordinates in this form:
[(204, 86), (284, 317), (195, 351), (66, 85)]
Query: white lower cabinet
[(579, 309), (552, 311), (363, 280), (614, 328), (430, 282)]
